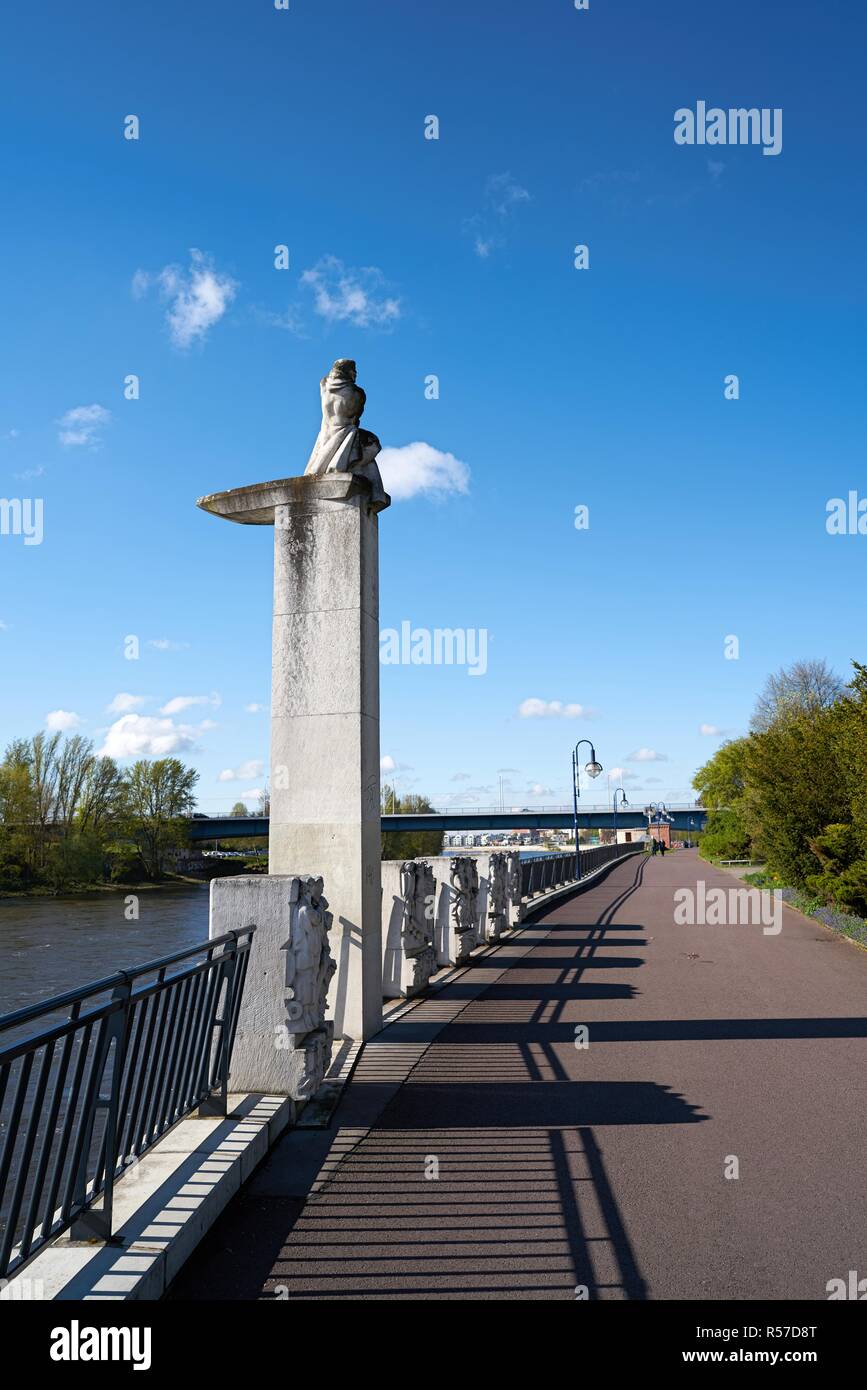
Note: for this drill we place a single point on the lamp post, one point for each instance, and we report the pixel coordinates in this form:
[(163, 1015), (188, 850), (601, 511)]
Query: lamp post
[(659, 812), (593, 769), (623, 802)]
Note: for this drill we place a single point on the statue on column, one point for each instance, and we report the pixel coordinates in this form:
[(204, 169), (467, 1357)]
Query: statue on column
[(342, 446)]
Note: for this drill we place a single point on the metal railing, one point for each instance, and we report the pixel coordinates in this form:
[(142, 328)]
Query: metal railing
[(83, 1098), (544, 872)]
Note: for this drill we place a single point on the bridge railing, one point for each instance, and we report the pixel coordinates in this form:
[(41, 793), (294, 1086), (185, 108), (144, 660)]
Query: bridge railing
[(113, 1065), (546, 871)]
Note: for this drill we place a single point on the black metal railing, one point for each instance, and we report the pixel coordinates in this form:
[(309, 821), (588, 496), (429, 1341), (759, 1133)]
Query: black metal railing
[(543, 872), (113, 1066)]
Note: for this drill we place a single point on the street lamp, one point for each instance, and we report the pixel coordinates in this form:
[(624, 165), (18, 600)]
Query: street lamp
[(593, 769), (658, 811), (623, 802)]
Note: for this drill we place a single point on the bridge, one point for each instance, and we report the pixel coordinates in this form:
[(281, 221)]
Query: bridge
[(689, 818)]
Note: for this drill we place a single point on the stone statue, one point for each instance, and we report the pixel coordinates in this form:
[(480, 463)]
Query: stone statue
[(418, 887), (464, 875), (342, 446), (309, 969), (515, 886), (498, 896)]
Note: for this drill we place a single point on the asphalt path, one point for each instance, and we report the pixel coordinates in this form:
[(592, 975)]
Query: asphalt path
[(483, 1151)]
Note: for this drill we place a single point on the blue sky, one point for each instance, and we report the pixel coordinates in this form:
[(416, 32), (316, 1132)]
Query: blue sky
[(451, 257)]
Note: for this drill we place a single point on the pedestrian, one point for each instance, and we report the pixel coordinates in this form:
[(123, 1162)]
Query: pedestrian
[(653, 844), (662, 848)]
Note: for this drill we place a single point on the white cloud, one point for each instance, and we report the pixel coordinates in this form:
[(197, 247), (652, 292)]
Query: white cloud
[(536, 789), (419, 467), (4, 627), (711, 731), (82, 424), (144, 736), (244, 772), (622, 774), (461, 777), (472, 796), (387, 764), (61, 720), (254, 708), (123, 702), (503, 196), (345, 294), (647, 755), (199, 297), (182, 702), (165, 644), (253, 794), (552, 709)]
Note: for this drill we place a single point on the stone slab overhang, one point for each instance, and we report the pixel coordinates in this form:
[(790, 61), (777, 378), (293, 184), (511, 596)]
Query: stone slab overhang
[(256, 505)]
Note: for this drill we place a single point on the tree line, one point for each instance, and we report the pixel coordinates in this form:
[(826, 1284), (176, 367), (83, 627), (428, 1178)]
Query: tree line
[(793, 792), (70, 817)]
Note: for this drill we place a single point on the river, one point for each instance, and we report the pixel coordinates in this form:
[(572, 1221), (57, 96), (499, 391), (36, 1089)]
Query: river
[(49, 945)]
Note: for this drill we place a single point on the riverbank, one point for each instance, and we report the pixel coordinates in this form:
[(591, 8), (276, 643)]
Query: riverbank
[(42, 891)]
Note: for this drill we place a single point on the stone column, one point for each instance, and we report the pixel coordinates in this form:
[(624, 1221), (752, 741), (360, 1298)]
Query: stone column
[(325, 805), (325, 809)]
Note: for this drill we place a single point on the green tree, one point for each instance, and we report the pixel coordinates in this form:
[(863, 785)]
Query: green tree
[(721, 787), (239, 809), (795, 788), (850, 736), (74, 760), (101, 801), (17, 820), (721, 781), (158, 797), (725, 837)]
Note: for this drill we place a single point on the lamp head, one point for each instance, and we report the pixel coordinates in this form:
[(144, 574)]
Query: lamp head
[(593, 768)]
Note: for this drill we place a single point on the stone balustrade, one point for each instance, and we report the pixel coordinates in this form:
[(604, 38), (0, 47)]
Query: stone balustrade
[(437, 911)]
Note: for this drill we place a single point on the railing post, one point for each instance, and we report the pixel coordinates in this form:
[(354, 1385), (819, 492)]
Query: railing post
[(95, 1223), (216, 1102)]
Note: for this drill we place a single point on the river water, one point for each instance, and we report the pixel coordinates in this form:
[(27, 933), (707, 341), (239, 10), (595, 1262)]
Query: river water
[(48, 945)]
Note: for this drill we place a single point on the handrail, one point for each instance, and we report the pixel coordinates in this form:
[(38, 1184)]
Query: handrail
[(89, 1094), (543, 872)]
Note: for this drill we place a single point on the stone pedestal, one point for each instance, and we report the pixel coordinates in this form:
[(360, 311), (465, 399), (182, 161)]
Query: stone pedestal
[(408, 911), (325, 806), (283, 1041)]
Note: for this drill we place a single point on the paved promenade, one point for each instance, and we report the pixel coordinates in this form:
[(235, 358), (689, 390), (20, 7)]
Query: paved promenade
[(603, 1167)]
